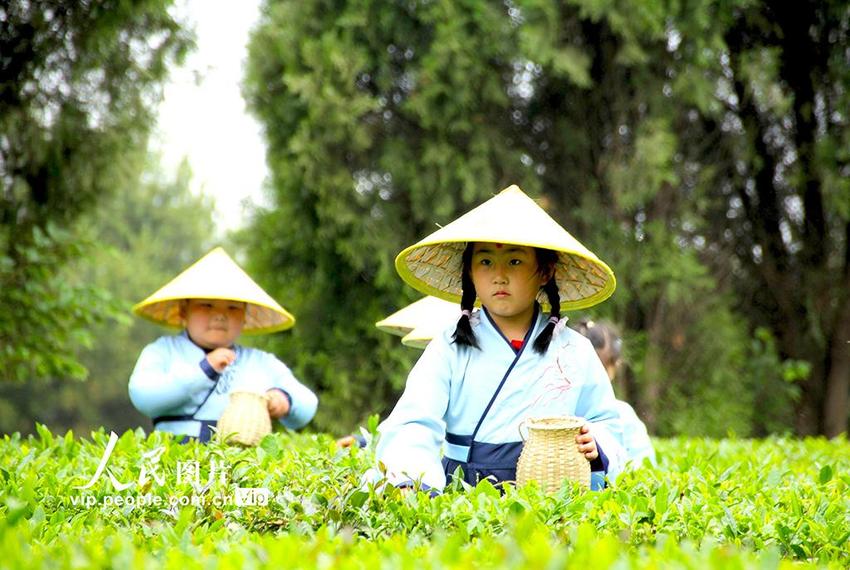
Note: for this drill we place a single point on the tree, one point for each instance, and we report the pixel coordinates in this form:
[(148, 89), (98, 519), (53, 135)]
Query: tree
[(335, 84), (604, 136), (779, 166), (78, 82), (383, 120), (145, 235)]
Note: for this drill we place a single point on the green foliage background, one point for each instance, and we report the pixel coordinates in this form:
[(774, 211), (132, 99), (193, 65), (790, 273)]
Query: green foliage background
[(146, 234), (78, 83), (684, 144), (645, 128)]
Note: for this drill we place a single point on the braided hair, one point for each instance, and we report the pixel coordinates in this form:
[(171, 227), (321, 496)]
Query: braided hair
[(546, 262), (464, 334)]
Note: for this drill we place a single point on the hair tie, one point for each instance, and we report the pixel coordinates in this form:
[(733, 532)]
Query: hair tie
[(554, 320), (466, 313)]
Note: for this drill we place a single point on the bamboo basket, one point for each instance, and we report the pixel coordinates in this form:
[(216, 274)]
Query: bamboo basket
[(550, 454), (246, 419)]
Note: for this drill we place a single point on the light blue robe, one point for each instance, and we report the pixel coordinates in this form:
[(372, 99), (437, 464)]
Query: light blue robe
[(168, 380), (635, 437), (450, 386)]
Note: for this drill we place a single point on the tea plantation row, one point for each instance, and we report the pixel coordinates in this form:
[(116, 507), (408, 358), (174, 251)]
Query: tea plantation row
[(297, 501)]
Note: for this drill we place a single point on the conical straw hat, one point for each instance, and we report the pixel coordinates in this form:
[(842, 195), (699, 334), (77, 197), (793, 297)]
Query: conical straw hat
[(433, 266), (425, 311), (216, 276), (421, 336)]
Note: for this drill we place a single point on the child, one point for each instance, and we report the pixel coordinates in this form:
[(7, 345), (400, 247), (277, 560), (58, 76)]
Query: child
[(609, 347), (477, 380), (183, 382)]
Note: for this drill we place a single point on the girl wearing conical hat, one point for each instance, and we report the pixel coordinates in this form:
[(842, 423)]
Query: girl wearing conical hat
[(509, 360), (183, 381)]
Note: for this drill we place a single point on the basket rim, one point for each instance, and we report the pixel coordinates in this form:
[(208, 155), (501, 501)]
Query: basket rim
[(262, 395), (554, 422)]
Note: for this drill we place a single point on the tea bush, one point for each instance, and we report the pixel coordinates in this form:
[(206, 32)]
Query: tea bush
[(153, 503)]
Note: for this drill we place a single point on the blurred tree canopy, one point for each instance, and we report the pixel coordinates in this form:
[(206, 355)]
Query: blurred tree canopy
[(78, 83), (701, 149), (777, 159), (146, 234)]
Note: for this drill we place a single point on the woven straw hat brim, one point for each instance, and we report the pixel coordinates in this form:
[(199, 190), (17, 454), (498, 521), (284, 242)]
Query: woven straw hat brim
[(433, 265), (419, 313), (425, 333), (216, 276), (418, 338)]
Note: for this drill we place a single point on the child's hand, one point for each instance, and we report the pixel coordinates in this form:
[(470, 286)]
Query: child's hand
[(346, 441), (586, 443), (278, 403), (221, 358)]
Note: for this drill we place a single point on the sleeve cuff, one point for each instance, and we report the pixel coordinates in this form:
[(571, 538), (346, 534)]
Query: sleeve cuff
[(208, 369), (288, 398), (601, 462)]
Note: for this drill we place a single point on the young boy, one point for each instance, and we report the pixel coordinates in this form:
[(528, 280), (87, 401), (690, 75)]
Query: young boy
[(183, 382)]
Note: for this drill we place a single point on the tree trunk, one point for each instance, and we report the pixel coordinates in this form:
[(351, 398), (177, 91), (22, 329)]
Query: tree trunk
[(808, 418), (653, 367), (838, 376), (838, 382)]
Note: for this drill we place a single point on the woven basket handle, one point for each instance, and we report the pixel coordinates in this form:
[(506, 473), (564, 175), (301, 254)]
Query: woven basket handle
[(519, 429)]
